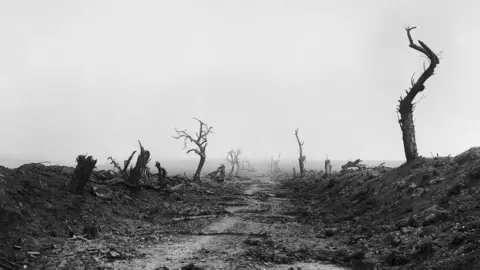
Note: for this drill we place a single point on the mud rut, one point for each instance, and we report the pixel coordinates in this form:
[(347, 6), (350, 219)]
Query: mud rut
[(222, 244)]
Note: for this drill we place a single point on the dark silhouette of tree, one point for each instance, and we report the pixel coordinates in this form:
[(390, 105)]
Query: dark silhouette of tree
[(302, 158), (233, 157), (82, 173), (200, 142), (406, 104), (140, 166)]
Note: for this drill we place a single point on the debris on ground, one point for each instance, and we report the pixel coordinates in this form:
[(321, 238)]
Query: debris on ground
[(44, 225), (422, 215)]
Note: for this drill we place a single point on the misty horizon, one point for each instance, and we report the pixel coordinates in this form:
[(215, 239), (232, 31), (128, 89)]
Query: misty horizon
[(95, 77)]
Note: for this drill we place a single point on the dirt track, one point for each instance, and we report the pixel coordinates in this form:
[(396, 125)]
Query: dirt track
[(257, 234)]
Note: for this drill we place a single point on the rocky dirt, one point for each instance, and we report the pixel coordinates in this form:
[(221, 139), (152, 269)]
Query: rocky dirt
[(242, 223), (258, 233), (423, 215)]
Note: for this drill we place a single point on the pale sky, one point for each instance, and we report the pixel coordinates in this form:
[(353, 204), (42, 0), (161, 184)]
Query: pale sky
[(96, 76)]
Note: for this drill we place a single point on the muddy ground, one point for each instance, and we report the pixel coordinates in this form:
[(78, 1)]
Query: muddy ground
[(242, 223)]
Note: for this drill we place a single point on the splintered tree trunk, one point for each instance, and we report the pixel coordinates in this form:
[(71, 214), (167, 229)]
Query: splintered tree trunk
[(294, 172), (328, 167), (142, 161), (162, 173), (238, 170), (302, 169), (406, 104), (302, 158), (81, 175), (408, 135), (196, 177)]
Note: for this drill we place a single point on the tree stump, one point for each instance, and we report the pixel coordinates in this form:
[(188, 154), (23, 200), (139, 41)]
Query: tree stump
[(142, 161), (328, 167), (81, 175), (162, 174)]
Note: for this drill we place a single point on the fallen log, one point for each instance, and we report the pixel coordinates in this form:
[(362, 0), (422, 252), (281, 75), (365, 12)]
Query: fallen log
[(353, 164)]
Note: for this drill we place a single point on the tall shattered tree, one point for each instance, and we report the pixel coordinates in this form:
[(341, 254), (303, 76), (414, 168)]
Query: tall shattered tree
[(81, 175), (140, 166), (302, 158), (406, 105), (200, 142)]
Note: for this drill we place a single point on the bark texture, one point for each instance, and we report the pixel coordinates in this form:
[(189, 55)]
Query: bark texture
[(406, 104), (140, 166), (82, 173), (302, 158)]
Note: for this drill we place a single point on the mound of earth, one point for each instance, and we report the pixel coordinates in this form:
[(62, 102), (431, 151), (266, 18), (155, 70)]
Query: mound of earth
[(45, 227), (421, 215)]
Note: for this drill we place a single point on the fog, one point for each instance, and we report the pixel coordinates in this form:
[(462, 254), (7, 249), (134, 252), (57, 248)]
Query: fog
[(96, 76)]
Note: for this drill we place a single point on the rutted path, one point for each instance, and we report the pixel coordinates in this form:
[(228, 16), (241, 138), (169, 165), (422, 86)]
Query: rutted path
[(256, 235)]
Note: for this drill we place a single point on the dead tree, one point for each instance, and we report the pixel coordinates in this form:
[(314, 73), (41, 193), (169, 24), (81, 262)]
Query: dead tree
[(162, 175), (81, 175), (136, 173), (123, 172), (247, 166), (218, 174), (231, 160), (328, 167), (200, 141), (406, 105), (353, 164), (301, 158), (275, 167), (233, 157), (236, 160)]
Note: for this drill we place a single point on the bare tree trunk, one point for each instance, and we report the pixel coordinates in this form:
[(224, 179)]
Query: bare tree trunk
[(302, 170), (196, 176), (142, 161), (408, 136), (231, 171), (294, 172), (302, 158), (328, 167), (406, 105), (200, 142), (81, 175), (162, 173)]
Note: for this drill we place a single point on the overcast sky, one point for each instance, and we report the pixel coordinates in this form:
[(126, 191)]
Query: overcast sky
[(96, 76)]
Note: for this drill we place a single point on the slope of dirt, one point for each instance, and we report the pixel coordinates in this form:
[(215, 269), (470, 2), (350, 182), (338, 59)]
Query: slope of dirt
[(42, 226), (423, 215)]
